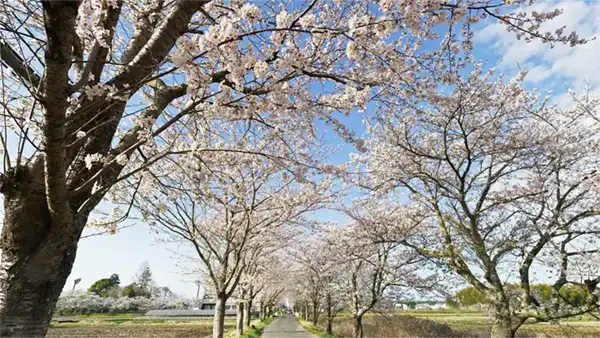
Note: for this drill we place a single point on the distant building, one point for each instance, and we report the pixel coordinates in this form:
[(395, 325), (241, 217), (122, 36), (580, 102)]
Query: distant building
[(210, 304), (431, 305)]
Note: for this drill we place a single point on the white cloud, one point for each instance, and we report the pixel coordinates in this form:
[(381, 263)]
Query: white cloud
[(562, 66)]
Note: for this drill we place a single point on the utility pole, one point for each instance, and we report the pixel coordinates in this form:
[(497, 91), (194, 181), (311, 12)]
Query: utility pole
[(198, 283)]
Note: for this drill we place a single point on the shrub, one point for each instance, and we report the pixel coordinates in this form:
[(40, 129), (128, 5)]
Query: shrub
[(75, 303)]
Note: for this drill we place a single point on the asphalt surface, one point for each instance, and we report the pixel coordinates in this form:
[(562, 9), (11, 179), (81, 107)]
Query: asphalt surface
[(286, 326)]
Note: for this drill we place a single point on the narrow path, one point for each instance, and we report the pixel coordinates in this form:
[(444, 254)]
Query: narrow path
[(286, 326)]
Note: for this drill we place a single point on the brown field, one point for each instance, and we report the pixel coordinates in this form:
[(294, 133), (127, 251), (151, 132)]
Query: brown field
[(141, 330), (129, 326)]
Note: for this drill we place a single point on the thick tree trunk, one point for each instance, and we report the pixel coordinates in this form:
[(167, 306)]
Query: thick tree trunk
[(239, 324), (37, 256), (247, 314), (503, 324), (502, 330), (219, 319), (358, 326)]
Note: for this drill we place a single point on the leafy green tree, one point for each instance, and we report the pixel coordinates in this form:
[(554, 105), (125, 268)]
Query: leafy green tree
[(452, 302), (101, 286), (542, 292), (470, 296), (574, 294), (130, 290), (135, 290)]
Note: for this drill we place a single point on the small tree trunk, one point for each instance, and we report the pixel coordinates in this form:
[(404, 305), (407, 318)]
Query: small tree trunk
[(36, 255), (240, 318), (219, 318), (261, 311), (329, 313), (247, 314), (315, 318), (358, 327), (305, 316)]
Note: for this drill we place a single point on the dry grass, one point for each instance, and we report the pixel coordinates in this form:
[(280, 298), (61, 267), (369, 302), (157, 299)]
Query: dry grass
[(396, 326), (471, 326)]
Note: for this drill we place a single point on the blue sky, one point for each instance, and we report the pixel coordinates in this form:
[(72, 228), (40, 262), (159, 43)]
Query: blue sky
[(550, 69)]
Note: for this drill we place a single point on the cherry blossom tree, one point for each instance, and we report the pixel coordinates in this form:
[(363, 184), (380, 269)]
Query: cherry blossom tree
[(333, 302), (375, 265), (503, 179), (267, 263), (230, 208), (92, 90), (318, 275), (371, 262), (313, 265), (272, 282)]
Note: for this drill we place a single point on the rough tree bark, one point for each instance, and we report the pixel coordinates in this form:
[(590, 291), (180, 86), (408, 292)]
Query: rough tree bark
[(38, 255), (43, 216), (503, 325), (502, 329), (239, 328), (358, 326), (247, 314), (315, 318), (261, 311), (329, 314), (219, 318)]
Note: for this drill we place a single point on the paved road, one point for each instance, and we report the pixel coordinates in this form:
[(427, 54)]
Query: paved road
[(286, 326)]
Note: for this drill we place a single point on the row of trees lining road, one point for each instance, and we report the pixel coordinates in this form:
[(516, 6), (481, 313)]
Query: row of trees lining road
[(502, 178), (209, 118), (353, 268), (234, 207)]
